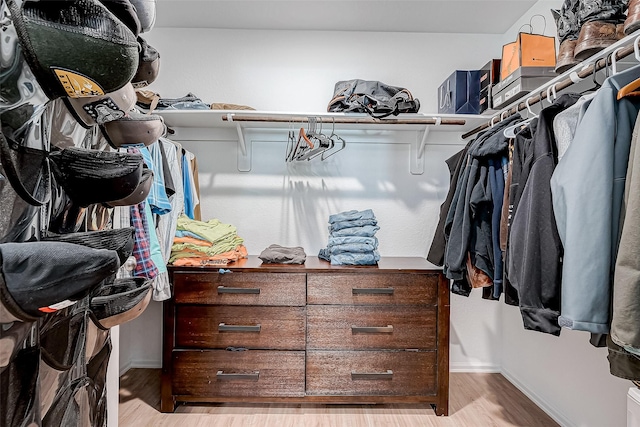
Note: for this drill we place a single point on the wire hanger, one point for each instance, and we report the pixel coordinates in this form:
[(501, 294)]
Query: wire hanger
[(321, 143), (291, 142), (333, 138)]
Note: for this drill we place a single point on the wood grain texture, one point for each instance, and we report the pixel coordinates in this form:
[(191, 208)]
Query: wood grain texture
[(444, 319), (281, 373), (329, 327), (337, 288), (331, 373), (168, 344), (275, 288), (281, 328), (368, 323), (477, 400)]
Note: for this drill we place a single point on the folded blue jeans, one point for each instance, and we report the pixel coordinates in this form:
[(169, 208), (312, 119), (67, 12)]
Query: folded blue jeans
[(324, 254), (352, 223), (351, 215), (366, 231), (353, 239), (346, 258), (351, 248)]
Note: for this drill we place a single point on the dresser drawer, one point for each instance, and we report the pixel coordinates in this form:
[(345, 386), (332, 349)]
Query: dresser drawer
[(240, 288), (370, 327), (252, 373), (383, 288), (279, 328), (371, 373)]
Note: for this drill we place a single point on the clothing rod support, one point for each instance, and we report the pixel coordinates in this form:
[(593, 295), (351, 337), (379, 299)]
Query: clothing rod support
[(423, 143)]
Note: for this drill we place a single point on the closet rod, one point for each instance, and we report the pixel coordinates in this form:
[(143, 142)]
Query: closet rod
[(344, 120), (563, 84)]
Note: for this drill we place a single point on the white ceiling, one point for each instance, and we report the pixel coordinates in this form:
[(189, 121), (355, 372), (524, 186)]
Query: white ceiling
[(426, 16)]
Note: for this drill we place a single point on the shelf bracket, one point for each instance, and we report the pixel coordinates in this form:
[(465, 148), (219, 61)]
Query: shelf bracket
[(244, 153), (418, 147)]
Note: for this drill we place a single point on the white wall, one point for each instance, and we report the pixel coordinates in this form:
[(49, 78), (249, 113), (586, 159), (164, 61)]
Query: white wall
[(289, 204)]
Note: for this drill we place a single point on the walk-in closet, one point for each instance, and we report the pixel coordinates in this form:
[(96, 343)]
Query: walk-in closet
[(196, 232)]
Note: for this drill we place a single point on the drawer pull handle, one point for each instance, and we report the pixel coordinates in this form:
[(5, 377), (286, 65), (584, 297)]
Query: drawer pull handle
[(222, 327), (372, 291), (229, 290), (388, 375), (372, 329), (253, 376)]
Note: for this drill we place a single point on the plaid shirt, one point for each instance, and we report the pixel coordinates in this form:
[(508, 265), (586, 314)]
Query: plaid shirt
[(141, 247)]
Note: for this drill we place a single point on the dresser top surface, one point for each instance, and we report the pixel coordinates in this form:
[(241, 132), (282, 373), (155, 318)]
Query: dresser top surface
[(315, 264)]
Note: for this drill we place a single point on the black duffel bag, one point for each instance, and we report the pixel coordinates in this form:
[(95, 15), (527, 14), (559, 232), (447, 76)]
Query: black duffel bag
[(373, 97)]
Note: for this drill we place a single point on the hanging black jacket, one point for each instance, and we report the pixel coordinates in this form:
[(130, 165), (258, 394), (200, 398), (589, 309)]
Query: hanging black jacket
[(535, 249), (468, 222), (520, 166), (439, 242)]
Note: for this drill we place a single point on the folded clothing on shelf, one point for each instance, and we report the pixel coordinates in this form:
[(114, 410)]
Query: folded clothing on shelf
[(206, 243), (352, 239), (276, 254)]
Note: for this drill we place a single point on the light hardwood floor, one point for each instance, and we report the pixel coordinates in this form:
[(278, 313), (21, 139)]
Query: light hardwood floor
[(482, 400)]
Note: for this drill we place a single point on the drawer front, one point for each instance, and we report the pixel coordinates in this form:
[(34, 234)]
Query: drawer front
[(279, 328), (371, 373), (252, 373), (384, 288), (370, 327), (240, 288)]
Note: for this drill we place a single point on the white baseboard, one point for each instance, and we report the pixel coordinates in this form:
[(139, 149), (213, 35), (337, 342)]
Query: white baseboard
[(474, 367), (148, 364), (124, 368), (539, 401)]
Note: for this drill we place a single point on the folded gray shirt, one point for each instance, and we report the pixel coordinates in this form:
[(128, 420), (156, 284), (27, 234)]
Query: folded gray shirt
[(276, 254)]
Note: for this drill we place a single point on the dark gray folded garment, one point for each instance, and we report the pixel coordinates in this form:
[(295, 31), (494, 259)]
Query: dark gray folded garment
[(276, 254), (42, 277)]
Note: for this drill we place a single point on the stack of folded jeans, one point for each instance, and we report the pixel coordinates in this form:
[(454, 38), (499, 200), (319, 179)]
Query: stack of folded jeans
[(352, 239)]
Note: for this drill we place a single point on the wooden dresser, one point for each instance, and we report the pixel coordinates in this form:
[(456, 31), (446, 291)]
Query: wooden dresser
[(312, 333)]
